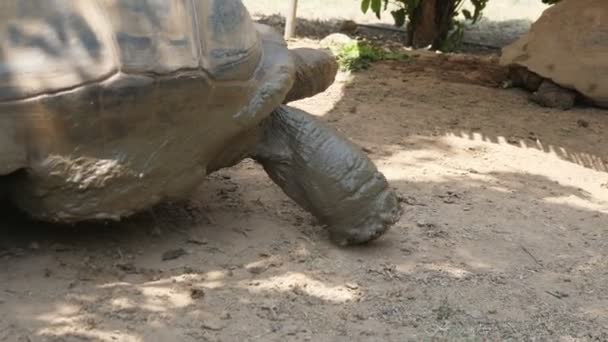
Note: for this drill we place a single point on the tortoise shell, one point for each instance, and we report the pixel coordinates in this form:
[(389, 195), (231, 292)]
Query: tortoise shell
[(109, 106), (568, 45)]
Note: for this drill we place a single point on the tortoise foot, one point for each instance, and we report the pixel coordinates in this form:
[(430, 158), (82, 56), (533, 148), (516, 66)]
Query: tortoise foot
[(327, 175), (383, 211), (551, 95)]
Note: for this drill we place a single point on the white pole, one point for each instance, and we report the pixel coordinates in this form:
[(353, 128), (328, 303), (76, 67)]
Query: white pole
[(290, 19)]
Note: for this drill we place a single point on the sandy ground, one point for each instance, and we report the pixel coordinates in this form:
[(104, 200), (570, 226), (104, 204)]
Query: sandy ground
[(503, 236)]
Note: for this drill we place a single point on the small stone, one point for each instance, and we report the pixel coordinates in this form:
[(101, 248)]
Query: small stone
[(196, 293), (34, 246), (225, 315), (360, 317), (196, 241), (257, 269), (582, 123), (421, 224), (156, 231), (351, 286), (128, 267), (513, 140), (173, 254), (58, 247), (212, 324), (260, 266), (349, 26)]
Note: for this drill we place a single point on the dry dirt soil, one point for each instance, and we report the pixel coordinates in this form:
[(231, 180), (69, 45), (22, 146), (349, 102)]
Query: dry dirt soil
[(504, 234)]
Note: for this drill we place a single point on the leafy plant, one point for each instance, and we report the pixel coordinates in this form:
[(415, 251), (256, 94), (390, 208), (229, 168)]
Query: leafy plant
[(405, 9), (356, 56), (457, 27), (410, 12)]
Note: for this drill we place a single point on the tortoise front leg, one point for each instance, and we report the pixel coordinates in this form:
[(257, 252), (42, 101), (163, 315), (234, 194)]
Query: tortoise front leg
[(327, 175)]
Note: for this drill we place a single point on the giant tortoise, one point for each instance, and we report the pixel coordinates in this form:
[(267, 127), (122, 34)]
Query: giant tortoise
[(564, 57), (108, 107)]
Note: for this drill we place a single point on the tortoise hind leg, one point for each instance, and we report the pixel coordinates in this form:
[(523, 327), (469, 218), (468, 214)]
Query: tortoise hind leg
[(552, 95), (327, 175)]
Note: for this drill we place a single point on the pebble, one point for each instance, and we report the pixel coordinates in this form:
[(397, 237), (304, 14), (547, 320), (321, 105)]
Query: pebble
[(351, 286), (225, 315), (197, 293), (173, 254), (212, 324)]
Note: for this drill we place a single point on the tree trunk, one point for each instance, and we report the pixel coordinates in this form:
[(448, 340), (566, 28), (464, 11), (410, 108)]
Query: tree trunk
[(430, 23)]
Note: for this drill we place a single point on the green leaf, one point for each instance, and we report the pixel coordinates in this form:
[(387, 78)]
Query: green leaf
[(357, 56), (412, 4), (399, 17), (479, 5), (467, 14), (365, 5), (377, 7)]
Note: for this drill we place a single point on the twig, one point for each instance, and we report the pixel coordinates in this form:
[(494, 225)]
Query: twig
[(557, 295), (532, 256)]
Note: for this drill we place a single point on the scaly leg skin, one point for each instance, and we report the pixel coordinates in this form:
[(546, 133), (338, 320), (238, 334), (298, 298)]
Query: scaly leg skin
[(327, 175)]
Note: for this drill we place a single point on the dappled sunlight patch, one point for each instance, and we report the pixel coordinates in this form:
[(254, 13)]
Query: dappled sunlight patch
[(453, 271), (501, 168), (215, 275), (123, 303), (86, 334), (70, 320), (156, 296), (594, 263), (477, 262), (212, 284), (64, 313), (597, 310), (577, 202), (444, 268), (162, 299), (534, 144), (115, 285), (165, 294), (303, 283)]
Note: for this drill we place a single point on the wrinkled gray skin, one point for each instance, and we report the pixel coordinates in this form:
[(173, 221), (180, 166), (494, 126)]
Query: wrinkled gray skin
[(327, 175), (544, 91), (132, 102)]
